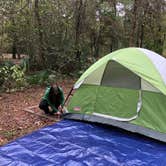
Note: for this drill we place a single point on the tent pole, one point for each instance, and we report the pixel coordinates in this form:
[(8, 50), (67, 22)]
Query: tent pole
[(66, 99)]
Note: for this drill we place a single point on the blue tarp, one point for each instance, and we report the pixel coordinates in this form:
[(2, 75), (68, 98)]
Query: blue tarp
[(72, 143)]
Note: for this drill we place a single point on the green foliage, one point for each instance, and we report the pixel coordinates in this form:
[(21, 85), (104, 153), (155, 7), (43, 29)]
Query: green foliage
[(12, 77), (44, 77), (62, 35), (25, 64), (40, 78), (6, 63)]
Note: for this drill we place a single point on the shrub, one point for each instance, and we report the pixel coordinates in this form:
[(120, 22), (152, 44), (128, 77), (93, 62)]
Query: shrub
[(6, 63), (40, 78), (12, 77)]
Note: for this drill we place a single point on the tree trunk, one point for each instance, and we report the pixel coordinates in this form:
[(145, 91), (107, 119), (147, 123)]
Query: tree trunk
[(142, 36), (114, 6), (14, 44), (40, 50), (134, 24), (19, 55), (79, 5), (79, 14), (97, 43), (14, 50)]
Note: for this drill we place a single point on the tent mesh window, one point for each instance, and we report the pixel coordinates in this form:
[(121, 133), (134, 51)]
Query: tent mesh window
[(116, 75)]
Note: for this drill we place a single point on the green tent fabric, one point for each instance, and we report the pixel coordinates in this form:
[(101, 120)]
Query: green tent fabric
[(126, 88)]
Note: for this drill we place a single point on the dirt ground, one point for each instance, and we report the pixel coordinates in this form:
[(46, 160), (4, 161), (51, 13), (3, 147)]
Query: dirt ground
[(14, 121)]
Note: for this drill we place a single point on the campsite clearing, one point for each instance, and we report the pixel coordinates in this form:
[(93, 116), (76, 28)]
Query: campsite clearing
[(14, 122)]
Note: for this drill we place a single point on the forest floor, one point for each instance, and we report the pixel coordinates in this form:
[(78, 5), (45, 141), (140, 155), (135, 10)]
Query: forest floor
[(14, 121)]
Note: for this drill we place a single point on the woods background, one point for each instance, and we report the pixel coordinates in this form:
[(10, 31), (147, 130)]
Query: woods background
[(68, 35)]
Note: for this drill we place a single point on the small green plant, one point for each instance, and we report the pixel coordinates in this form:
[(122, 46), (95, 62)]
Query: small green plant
[(12, 77)]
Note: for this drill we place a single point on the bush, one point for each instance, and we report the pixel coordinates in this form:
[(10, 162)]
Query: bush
[(44, 77), (6, 63), (25, 65), (40, 78), (12, 77)]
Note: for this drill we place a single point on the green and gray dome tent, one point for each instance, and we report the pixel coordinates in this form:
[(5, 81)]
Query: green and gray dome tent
[(127, 89)]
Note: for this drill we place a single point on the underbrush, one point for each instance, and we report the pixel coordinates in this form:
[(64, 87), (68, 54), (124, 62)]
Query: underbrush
[(14, 77), (40, 77)]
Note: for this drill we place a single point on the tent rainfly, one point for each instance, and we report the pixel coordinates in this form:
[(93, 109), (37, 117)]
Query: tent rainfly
[(126, 89)]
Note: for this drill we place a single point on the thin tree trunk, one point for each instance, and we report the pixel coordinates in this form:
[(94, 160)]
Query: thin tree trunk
[(97, 43), (142, 36), (77, 30), (14, 44), (40, 56), (114, 6), (2, 34), (134, 24), (14, 49), (97, 34), (114, 41)]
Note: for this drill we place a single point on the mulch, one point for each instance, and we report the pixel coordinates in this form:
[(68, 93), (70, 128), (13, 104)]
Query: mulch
[(15, 122)]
